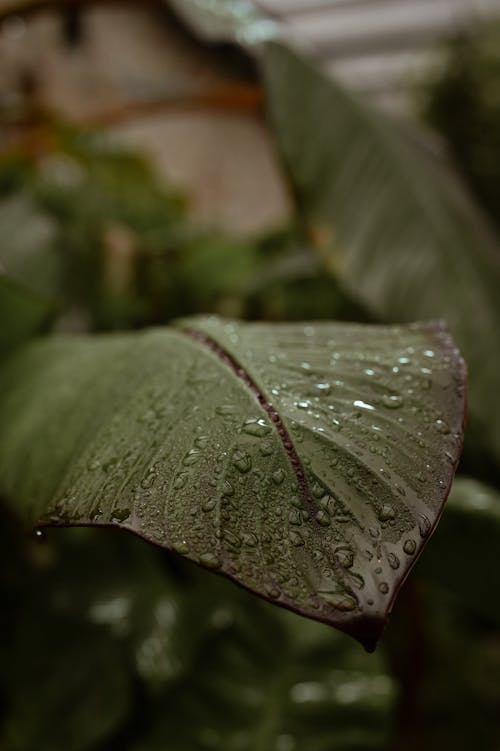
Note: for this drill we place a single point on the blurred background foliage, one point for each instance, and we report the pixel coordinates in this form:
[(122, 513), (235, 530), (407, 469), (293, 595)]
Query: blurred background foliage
[(107, 643)]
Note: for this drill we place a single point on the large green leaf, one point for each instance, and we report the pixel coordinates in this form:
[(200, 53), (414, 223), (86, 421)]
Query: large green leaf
[(393, 221), (307, 462), (265, 679), (246, 675)]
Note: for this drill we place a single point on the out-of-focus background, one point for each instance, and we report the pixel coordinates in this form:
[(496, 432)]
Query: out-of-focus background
[(140, 181)]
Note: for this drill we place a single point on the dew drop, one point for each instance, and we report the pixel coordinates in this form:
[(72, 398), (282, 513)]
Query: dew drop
[(210, 560), (409, 546), (227, 488), (192, 457), (209, 504), (304, 404), (250, 539), (226, 409), (317, 490), (345, 557), (323, 518), (392, 401), (424, 525), (386, 513), (383, 588), (323, 388), (295, 538), (180, 481), (442, 427), (242, 461), (278, 476), (181, 546), (202, 441), (120, 514), (257, 428), (340, 600), (273, 592), (266, 449), (393, 560)]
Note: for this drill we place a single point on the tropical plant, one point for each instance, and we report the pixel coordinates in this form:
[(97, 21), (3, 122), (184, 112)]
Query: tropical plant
[(308, 462)]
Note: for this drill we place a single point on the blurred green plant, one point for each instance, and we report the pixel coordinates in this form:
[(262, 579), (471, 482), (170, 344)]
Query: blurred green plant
[(462, 102)]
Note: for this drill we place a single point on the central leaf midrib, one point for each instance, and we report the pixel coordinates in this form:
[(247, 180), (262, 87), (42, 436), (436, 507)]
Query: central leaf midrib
[(284, 436)]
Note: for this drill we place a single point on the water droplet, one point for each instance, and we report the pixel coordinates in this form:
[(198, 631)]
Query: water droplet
[(318, 490), (278, 476), (192, 457), (393, 560), (304, 404), (323, 388), (441, 427), (386, 513), (180, 481), (340, 600), (181, 546), (242, 461), (227, 488), (383, 587), (409, 546), (210, 560), (257, 428), (250, 539), (295, 517), (202, 441), (345, 557), (266, 449), (424, 525), (363, 405), (323, 518), (209, 504), (226, 409), (273, 592), (232, 539), (392, 401), (148, 481), (120, 514), (295, 538), (93, 465)]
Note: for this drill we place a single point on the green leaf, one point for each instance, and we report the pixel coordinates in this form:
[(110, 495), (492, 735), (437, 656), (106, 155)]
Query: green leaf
[(22, 314), (393, 221), (265, 679), (245, 675), (306, 462), (465, 552), (29, 271), (27, 250)]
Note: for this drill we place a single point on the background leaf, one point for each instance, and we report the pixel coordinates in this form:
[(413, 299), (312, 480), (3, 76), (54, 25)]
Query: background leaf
[(207, 665), (391, 219)]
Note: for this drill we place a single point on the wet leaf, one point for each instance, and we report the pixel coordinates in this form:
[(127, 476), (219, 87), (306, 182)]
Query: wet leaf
[(392, 219), (307, 462)]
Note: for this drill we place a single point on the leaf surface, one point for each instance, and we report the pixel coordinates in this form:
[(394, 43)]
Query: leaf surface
[(307, 462), (393, 221)]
